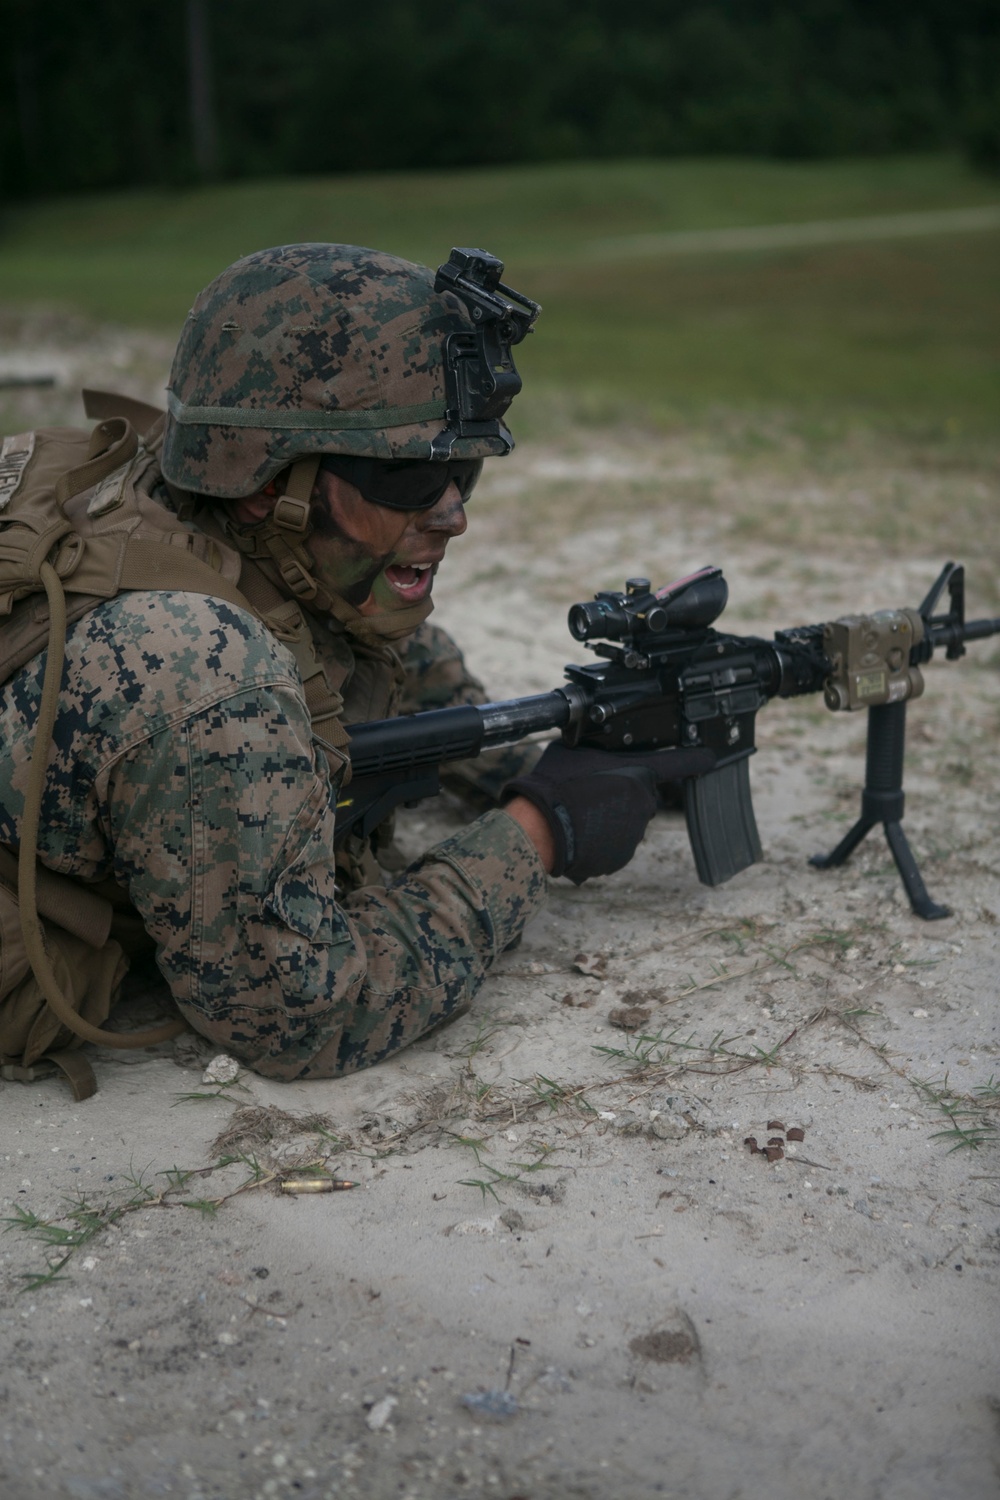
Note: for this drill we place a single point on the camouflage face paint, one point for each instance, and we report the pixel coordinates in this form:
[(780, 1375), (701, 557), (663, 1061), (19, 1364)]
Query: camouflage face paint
[(408, 576), (352, 541)]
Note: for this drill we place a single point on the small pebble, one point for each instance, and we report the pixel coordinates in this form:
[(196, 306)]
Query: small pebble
[(221, 1069), (478, 1226), (380, 1413)]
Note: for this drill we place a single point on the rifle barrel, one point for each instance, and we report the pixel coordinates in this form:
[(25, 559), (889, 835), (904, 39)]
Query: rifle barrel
[(972, 630)]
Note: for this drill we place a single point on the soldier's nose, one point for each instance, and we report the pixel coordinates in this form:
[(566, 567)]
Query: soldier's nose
[(447, 515)]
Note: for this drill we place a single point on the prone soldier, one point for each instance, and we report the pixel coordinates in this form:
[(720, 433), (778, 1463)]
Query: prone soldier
[(244, 578)]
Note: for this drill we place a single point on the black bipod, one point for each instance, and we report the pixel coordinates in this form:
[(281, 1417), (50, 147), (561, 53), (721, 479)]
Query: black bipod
[(882, 802), (882, 798)]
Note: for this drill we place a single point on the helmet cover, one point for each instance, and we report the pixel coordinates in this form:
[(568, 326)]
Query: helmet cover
[(307, 349)]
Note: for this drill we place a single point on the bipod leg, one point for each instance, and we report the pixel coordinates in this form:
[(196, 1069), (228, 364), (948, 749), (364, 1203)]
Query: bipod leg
[(882, 802), (846, 847), (911, 877)]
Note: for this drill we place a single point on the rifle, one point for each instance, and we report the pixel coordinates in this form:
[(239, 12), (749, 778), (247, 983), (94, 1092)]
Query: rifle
[(667, 681)]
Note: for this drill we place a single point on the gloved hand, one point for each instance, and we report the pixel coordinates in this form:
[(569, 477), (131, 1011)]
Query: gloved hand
[(597, 803)]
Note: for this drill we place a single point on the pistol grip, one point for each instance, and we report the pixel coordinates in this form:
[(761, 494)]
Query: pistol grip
[(721, 823)]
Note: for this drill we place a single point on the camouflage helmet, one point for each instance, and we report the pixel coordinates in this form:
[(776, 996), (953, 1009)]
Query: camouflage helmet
[(306, 349)]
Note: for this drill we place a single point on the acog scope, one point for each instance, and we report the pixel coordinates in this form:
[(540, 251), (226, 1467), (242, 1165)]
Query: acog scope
[(692, 603)]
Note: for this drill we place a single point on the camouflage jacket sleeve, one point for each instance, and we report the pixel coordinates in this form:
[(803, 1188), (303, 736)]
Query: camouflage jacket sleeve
[(437, 677), (183, 766)]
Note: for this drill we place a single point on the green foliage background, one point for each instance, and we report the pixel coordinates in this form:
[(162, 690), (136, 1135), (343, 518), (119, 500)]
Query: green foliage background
[(97, 95), (893, 332)]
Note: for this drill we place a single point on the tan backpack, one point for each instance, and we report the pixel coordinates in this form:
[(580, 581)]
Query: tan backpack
[(77, 527)]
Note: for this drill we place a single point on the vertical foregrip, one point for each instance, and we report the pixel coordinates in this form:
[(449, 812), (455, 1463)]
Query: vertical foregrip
[(886, 747), (883, 800)]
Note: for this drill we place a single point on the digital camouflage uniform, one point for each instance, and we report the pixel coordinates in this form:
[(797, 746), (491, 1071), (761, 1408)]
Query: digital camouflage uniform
[(183, 764), (184, 768)]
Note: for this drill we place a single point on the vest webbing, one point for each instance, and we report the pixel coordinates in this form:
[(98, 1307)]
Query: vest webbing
[(285, 619)]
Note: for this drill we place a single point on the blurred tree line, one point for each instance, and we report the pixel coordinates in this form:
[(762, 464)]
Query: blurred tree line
[(135, 92)]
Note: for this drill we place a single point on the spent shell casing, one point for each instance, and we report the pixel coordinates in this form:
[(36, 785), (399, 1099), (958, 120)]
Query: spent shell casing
[(316, 1185)]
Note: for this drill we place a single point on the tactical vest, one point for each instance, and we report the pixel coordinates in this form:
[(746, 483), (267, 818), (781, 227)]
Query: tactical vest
[(78, 525)]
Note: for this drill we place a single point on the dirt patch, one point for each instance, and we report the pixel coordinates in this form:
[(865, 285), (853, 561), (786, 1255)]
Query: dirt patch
[(666, 1346), (552, 1212)]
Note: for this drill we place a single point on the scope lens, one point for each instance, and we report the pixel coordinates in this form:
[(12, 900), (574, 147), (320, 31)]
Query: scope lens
[(579, 621), (598, 619)]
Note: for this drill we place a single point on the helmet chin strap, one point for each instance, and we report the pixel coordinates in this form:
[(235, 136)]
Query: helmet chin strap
[(279, 543)]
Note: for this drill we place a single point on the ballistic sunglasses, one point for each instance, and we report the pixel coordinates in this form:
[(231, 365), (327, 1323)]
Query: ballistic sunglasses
[(404, 484)]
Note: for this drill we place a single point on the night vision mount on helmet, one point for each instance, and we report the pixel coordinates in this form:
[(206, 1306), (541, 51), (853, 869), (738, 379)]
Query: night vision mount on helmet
[(480, 374)]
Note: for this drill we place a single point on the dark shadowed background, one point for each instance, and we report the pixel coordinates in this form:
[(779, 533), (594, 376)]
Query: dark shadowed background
[(110, 94)]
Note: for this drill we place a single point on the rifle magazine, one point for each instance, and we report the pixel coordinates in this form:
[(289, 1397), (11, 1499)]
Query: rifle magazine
[(721, 823)]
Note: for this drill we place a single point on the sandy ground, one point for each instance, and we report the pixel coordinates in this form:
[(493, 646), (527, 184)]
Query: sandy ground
[(562, 1272)]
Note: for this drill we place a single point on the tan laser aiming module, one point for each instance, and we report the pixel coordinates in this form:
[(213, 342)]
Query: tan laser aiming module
[(870, 656)]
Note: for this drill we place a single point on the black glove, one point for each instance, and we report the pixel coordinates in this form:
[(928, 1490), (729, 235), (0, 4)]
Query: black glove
[(596, 802)]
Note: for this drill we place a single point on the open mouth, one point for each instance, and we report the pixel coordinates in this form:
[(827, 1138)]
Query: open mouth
[(411, 581)]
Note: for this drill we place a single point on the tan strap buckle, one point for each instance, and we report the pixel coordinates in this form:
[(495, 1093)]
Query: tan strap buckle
[(297, 579), (291, 514)]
